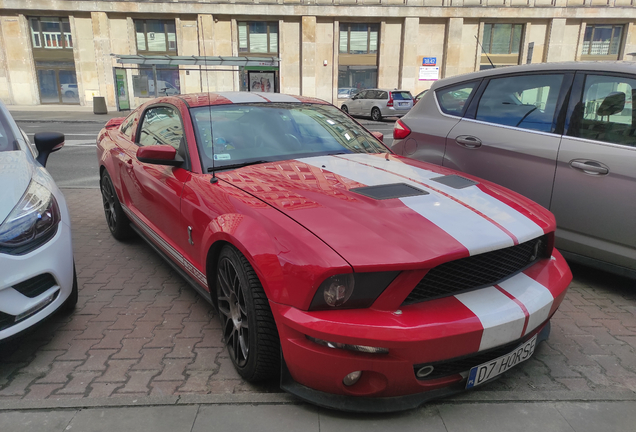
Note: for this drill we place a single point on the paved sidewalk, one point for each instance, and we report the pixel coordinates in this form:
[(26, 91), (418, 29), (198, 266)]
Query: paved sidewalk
[(61, 113), (141, 337)]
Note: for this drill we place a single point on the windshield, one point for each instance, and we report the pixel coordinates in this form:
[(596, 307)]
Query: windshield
[(7, 140), (247, 133), (402, 95)]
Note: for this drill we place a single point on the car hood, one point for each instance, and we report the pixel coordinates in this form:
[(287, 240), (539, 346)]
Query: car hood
[(16, 171), (393, 212)]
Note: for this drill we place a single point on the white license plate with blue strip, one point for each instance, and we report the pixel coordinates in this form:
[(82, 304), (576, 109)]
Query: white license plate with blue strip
[(487, 371)]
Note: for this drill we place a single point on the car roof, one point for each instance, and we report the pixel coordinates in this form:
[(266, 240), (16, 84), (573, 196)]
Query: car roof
[(594, 66), (228, 98)]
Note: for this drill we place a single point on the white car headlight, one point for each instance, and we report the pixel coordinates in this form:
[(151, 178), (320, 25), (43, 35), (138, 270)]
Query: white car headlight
[(32, 221)]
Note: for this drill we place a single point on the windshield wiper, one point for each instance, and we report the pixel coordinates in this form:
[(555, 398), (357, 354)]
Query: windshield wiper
[(238, 165)]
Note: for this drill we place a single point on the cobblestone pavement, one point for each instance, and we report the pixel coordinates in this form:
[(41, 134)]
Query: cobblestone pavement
[(140, 331)]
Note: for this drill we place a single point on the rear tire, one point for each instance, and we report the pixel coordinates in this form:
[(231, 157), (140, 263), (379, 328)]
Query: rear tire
[(345, 109), (117, 221), (248, 326), (376, 115)]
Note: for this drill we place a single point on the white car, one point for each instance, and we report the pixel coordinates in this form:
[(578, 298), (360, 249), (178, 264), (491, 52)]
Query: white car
[(37, 274)]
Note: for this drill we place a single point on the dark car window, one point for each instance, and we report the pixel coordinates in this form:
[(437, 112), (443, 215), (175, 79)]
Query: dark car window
[(161, 125), (276, 131), (402, 95), (7, 140), (361, 95), (381, 95), (606, 112), (452, 100), (372, 94), (528, 102)]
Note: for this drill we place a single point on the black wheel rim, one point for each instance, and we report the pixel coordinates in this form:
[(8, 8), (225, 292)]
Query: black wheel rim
[(233, 311), (345, 109), (108, 198)]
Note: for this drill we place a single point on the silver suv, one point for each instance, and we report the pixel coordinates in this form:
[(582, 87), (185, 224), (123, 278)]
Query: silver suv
[(562, 134), (379, 103)]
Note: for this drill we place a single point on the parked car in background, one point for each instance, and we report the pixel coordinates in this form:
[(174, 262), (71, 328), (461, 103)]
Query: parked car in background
[(70, 91), (378, 103), (37, 276), (562, 134), (374, 282), (346, 92), (417, 98)]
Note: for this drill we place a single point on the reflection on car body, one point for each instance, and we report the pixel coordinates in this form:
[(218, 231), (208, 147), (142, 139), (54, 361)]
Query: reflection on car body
[(332, 262), (562, 134)]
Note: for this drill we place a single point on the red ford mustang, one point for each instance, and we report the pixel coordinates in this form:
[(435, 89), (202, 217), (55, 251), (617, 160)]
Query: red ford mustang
[(367, 281)]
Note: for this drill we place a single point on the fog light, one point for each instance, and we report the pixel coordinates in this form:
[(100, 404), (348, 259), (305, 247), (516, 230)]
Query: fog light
[(352, 378), (424, 371)]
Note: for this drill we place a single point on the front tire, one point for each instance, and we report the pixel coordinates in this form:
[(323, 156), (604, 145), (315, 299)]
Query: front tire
[(116, 219), (247, 322), (376, 115), (345, 109)]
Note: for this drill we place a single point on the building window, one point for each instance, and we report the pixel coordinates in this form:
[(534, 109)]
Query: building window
[(51, 33), (602, 42), (358, 57), (259, 38), (156, 36), (502, 44)]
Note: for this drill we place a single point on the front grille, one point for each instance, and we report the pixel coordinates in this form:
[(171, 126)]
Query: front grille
[(478, 271), (463, 364), (36, 285)]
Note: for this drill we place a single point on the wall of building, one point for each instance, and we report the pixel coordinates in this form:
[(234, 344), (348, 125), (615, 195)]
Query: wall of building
[(308, 38)]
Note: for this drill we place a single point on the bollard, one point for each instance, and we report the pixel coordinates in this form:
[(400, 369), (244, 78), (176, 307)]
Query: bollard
[(99, 105)]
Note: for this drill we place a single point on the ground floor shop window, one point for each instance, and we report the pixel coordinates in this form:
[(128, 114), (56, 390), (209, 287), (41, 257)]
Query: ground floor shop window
[(57, 82), (168, 83), (258, 79), (357, 77)]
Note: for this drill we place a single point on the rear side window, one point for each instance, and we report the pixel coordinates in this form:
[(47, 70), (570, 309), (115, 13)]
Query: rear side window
[(402, 95), (452, 100), (126, 127), (382, 95), (527, 102), (7, 141), (606, 111)]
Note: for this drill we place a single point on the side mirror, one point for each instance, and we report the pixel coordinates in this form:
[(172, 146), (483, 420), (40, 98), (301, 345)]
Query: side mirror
[(47, 143), (159, 155), (378, 135)]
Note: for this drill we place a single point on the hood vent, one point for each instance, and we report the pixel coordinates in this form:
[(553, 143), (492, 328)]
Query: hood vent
[(455, 181), (388, 191)]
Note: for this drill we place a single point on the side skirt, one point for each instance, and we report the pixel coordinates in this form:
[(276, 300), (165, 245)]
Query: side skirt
[(198, 288)]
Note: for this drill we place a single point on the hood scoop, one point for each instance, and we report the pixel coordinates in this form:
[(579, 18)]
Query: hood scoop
[(455, 181), (388, 191)]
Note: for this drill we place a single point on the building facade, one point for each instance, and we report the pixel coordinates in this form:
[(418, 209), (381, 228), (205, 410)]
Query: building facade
[(63, 51)]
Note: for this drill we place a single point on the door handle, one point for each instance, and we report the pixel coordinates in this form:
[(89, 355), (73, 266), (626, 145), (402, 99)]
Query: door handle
[(589, 166), (468, 141)]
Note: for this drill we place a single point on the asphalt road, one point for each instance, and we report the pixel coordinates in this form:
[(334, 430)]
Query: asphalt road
[(75, 166)]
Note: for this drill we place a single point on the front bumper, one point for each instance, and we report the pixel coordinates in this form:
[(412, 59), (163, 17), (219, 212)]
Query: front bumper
[(431, 332), (51, 267)]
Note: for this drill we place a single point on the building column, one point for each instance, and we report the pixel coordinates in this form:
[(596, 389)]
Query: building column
[(630, 43), (101, 41), (556, 37), (453, 60), (389, 62), (20, 69), (290, 68), (409, 68), (308, 53)]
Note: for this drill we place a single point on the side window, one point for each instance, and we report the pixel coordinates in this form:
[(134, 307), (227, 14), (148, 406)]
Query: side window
[(452, 100), (362, 95), (382, 95), (126, 126), (527, 102), (605, 112), (161, 125)]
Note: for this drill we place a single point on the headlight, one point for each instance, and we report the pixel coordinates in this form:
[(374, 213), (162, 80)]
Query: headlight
[(351, 290), (32, 222)]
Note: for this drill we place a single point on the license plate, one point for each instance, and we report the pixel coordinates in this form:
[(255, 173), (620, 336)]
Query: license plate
[(486, 371), (403, 103)]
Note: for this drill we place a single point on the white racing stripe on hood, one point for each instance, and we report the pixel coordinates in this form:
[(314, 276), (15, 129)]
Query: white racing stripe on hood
[(535, 297), (473, 231), (518, 224)]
